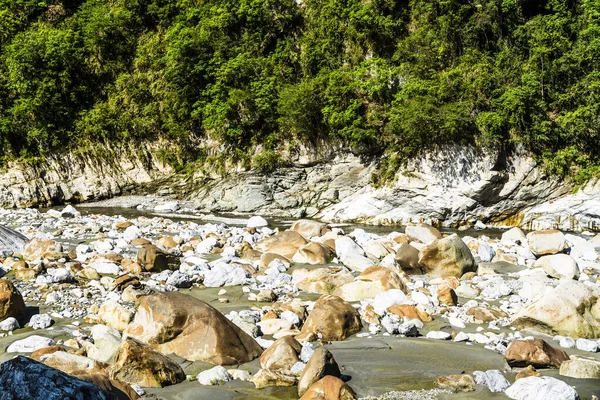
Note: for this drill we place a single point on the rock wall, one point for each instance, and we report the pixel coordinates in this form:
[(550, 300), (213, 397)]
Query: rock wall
[(452, 187), (76, 177)]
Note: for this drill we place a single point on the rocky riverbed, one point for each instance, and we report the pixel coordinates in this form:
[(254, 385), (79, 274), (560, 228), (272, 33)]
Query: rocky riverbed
[(102, 305)]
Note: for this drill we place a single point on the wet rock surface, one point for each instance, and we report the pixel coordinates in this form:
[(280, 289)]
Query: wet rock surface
[(337, 313)]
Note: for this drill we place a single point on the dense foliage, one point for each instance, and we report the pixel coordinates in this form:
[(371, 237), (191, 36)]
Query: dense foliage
[(383, 76)]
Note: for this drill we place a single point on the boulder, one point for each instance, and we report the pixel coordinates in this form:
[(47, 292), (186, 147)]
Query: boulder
[(536, 352), (446, 295), (351, 254), (265, 378), (38, 249), (308, 228), (321, 364), (456, 383), (581, 368), (422, 233), (513, 235), (154, 259), (176, 323), (138, 363), (485, 314), (447, 256), (527, 372), (285, 243), (282, 354), (329, 388), (571, 309), (544, 387), (30, 344), (321, 280), (69, 363), (560, 266), (409, 312), (407, 258), (313, 253), (214, 376), (546, 242), (114, 315), (24, 378), (332, 319), (11, 301), (370, 283), (493, 379), (257, 222)]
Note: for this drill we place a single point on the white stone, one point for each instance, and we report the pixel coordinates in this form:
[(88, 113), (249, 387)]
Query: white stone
[(386, 299), (30, 344), (256, 222), (351, 254), (9, 324), (587, 345), (493, 379), (214, 376), (544, 387), (106, 268), (40, 321), (440, 335)]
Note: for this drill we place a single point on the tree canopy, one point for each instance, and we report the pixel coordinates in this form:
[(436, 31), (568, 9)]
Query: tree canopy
[(386, 77)]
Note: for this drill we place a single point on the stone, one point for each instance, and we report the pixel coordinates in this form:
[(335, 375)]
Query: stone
[(332, 319), (329, 388), (446, 295), (176, 323), (456, 383), (422, 233), (138, 363), (560, 266), (485, 314), (9, 324), (407, 258), (225, 274), (40, 321), (370, 283), (587, 345), (321, 364), (154, 259), (167, 242), (544, 387), (351, 254), (265, 378), (308, 228), (105, 268), (513, 235), (447, 256), (285, 243), (321, 280), (313, 253), (385, 300), (581, 368), (70, 363), (214, 376), (493, 379), (256, 222), (24, 378), (439, 335), (11, 301), (106, 343), (536, 352), (38, 249), (546, 242), (409, 312), (30, 344), (570, 309), (527, 372), (282, 354), (115, 315)]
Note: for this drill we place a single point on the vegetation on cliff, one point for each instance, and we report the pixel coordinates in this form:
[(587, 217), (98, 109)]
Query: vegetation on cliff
[(387, 77)]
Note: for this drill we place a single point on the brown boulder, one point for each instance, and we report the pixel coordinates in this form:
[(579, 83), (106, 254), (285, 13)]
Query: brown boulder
[(409, 312), (11, 301), (154, 259), (139, 364), (527, 372), (370, 283), (321, 364), (282, 354), (313, 253), (446, 295), (285, 243), (308, 228), (484, 314), (176, 323), (521, 353), (332, 319), (456, 383), (329, 388), (447, 256), (407, 258)]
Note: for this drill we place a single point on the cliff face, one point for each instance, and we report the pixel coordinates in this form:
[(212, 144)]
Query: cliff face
[(453, 187), (74, 177)]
